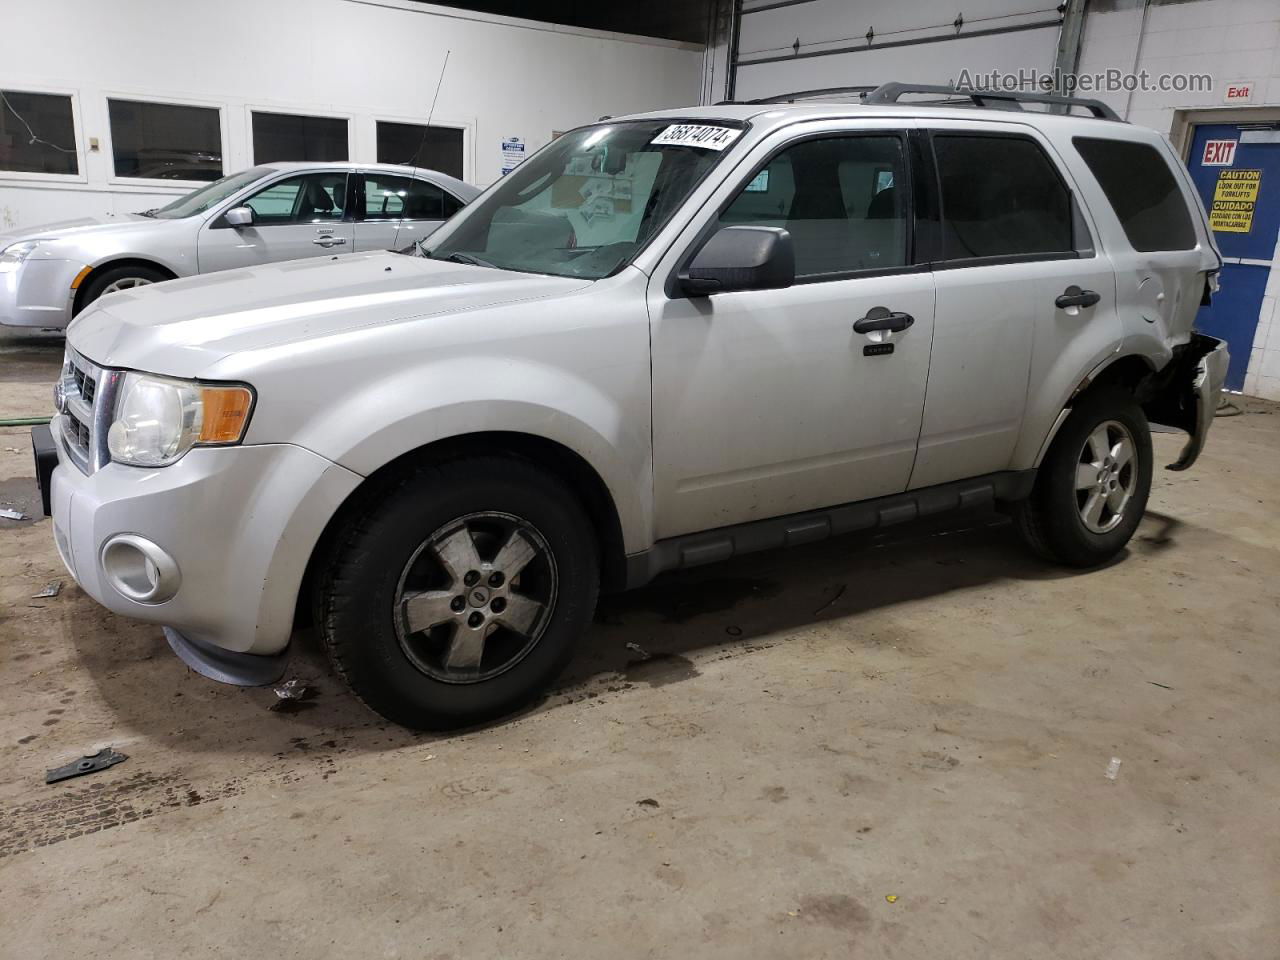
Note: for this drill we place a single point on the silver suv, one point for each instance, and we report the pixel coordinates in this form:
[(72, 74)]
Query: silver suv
[(662, 341), (279, 211)]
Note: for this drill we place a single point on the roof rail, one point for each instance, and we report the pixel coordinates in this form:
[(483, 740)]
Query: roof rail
[(810, 94), (1011, 99)]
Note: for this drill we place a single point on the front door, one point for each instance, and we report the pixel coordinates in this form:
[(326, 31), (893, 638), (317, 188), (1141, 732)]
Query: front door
[(1236, 168), (299, 216), (768, 402)]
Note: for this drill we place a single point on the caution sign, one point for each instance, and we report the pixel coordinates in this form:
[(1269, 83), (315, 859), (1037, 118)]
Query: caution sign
[(1234, 199)]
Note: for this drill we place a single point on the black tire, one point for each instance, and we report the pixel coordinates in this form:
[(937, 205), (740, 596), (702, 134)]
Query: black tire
[(99, 280), (1050, 520), (361, 624)]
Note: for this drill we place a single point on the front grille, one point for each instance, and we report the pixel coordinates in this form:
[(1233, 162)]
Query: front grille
[(82, 406)]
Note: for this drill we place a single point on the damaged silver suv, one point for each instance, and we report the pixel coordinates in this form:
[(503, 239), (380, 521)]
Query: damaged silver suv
[(662, 341)]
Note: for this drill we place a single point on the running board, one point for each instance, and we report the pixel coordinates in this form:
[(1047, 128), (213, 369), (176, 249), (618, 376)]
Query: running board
[(695, 549)]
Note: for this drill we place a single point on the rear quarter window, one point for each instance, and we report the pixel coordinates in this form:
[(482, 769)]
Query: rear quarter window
[(1142, 190)]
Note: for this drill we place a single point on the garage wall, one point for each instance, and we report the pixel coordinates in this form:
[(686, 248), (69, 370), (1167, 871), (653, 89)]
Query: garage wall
[(363, 59), (910, 41)]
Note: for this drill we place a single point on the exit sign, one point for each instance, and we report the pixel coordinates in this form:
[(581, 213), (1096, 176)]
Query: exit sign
[(1240, 91), (1218, 153)]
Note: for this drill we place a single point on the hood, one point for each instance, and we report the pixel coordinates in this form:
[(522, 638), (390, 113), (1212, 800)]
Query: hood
[(64, 229), (181, 327)]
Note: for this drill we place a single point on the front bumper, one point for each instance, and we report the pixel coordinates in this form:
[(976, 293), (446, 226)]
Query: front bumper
[(38, 293), (240, 523)]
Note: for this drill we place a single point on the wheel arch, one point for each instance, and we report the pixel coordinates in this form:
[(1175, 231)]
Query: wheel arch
[(78, 302), (568, 466), (1127, 371)]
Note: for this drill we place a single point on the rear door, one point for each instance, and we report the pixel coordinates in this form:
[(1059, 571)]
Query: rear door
[(394, 211), (304, 215), (1012, 239)]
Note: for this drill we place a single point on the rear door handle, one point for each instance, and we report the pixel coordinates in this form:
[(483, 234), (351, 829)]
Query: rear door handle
[(1073, 296), (329, 241), (882, 318)]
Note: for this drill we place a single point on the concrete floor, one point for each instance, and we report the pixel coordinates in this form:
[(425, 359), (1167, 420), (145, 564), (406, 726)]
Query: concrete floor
[(926, 717)]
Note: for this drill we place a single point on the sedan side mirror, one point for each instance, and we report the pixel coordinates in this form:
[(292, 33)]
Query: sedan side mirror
[(239, 217), (741, 258)]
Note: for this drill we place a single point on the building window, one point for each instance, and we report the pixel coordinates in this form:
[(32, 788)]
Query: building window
[(1138, 182), (415, 145), (1001, 197), (281, 137), (165, 141), (37, 133)]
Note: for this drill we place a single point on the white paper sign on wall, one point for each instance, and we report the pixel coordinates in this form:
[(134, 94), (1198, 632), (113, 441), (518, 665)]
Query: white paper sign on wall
[(513, 154), (1238, 91)]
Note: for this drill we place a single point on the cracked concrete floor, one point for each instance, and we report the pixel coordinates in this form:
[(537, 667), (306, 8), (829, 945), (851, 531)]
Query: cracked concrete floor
[(925, 716)]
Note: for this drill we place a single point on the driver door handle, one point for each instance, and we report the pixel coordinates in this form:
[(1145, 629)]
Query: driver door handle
[(329, 241), (1073, 296), (882, 318)]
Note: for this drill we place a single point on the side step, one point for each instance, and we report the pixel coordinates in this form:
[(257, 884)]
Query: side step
[(696, 549)]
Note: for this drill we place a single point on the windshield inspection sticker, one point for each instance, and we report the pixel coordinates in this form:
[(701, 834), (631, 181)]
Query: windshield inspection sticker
[(696, 135)]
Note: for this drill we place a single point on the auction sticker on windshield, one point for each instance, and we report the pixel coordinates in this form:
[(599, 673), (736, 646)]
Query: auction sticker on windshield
[(696, 135)]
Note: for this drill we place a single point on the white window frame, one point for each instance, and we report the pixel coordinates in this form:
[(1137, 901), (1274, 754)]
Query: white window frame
[(292, 111), (77, 129), (467, 127), (153, 182)]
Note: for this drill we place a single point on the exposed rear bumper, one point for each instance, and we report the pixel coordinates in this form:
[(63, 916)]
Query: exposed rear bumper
[(1185, 394)]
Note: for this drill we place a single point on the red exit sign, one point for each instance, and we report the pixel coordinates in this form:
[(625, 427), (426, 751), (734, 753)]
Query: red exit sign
[(1218, 153), (1239, 92)]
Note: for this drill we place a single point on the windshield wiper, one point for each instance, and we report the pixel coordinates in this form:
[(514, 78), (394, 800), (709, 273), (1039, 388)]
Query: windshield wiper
[(469, 259), (149, 213)]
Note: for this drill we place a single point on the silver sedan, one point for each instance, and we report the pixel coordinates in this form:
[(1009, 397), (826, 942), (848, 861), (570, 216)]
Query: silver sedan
[(279, 211)]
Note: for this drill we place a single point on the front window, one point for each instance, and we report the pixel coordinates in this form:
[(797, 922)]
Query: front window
[(198, 201), (588, 203)]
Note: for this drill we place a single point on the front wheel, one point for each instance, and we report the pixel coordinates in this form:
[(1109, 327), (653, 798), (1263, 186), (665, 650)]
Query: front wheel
[(457, 594), (1092, 488)]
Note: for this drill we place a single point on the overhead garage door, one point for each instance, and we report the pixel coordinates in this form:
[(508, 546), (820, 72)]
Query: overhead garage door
[(790, 45)]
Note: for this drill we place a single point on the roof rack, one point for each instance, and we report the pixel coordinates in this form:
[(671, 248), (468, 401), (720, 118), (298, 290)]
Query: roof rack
[(811, 94), (1001, 99)]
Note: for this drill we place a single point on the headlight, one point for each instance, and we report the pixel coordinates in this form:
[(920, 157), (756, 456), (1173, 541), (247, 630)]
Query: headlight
[(12, 255), (157, 420)]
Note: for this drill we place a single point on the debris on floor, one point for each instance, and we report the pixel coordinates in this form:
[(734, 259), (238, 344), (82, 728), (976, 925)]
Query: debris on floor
[(1113, 768), (636, 648), (89, 763), (891, 897), (290, 696), (648, 802), (52, 590), (12, 514)]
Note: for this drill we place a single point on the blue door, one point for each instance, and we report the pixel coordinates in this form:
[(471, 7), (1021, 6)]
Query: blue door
[(1236, 168)]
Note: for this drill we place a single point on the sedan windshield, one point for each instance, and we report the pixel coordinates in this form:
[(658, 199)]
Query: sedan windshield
[(588, 203), (198, 201)]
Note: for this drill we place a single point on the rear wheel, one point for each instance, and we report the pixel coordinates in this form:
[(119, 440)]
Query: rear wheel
[(1092, 488), (458, 594)]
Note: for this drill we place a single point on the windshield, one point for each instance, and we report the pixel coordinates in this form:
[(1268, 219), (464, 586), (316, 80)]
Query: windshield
[(588, 203), (209, 195)]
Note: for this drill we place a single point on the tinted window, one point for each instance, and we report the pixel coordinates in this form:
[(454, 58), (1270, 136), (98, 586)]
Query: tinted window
[(842, 199), (1140, 186), (312, 198), (395, 198), (1001, 197), (37, 133), (413, 145), (281, 137), (165, 141)]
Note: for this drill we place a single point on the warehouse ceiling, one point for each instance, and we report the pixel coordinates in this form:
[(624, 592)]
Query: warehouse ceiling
[(668, 19)]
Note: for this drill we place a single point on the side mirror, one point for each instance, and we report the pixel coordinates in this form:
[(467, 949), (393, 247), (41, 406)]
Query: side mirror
[(239, 217), (741, 258)]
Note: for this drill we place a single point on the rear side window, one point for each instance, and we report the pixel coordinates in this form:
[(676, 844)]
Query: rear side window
[(1001, 197), (1141, 188)]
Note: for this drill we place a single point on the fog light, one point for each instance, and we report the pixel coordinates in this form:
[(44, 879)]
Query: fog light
[(139, 570)]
